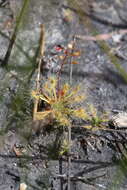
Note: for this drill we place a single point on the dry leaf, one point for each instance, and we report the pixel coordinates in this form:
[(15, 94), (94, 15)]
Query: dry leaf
[(23, 186)]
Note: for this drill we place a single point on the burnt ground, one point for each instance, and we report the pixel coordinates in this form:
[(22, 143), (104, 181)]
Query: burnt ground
[(98, 158)]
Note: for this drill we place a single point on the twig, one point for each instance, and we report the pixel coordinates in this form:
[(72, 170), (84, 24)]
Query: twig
[(101, 36), (94, 168), (123, 130), (39, 68)]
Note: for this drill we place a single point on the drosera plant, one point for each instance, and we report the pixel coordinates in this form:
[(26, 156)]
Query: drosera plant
[(60, 104), (59, 99)]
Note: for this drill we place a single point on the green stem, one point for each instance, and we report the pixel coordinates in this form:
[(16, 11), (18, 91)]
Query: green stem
[(14, 35)]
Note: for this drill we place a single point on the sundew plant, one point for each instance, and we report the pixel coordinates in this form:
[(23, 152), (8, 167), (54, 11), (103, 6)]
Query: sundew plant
[(60, 104)]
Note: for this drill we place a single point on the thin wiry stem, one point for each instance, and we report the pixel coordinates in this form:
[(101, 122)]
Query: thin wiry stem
[(60, 71), (69, 157), (71, 59), (69, 128)]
